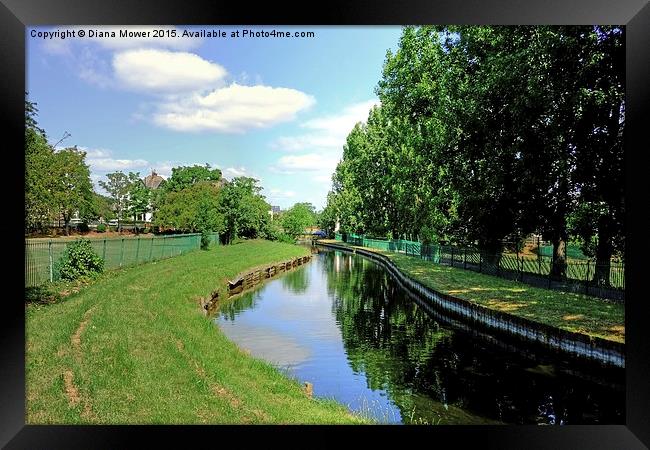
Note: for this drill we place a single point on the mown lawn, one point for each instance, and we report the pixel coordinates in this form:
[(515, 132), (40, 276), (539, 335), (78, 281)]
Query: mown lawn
[(134, 348), (569, 311)]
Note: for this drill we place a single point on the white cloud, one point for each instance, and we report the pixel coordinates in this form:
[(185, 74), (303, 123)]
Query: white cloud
[(232, 172), (165, 71), (309, 141), (306, 163), (101, 160), (116, 164), (329, 132), (323, 178), (279, 194), (233, 109), (341, 124)]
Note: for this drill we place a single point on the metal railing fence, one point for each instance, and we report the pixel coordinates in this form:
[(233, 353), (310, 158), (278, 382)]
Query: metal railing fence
[(42, 256), (534, 270)]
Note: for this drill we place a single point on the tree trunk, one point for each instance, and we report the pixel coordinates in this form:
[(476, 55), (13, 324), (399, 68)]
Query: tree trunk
[(558, 267), (66, 224), (603, 252)]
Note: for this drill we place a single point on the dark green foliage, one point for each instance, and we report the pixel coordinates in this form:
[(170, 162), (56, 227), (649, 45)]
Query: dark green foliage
[(185, 176), (44, 294), (244, 209), (101, 228), (79, 259), (83, 227), (489, 133), (298, 218), (205, 239)]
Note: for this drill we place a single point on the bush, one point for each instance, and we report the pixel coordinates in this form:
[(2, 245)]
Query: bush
[(205, 239), (283, 237), (146, 230), (79, 260), (83, 227), (101, 228)]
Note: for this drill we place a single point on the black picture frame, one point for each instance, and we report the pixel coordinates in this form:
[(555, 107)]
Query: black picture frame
[(16, 15)]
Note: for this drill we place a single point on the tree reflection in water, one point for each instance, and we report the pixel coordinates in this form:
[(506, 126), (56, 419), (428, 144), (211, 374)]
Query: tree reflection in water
[(353, 333), (436, 375)]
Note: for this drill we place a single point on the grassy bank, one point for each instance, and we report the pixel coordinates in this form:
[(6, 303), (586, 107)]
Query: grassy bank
[(568, 311), (135, 348)]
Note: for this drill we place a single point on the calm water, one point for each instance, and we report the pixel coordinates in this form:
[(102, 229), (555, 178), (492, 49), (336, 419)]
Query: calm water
[(343, 324)]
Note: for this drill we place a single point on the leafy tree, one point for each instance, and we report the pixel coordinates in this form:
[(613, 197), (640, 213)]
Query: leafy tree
[(245, 212), (490, 133), (299, 217), (138, 197), (102, 207), (38, 180), (193, 209), (185, 176), (117, 186), (72, 188)]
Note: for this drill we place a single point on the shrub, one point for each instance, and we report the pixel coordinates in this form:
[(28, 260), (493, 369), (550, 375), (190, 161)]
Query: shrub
[(205, 239), (83, 227), (101, 228), (146, 230), (79, 260), (283, 237)]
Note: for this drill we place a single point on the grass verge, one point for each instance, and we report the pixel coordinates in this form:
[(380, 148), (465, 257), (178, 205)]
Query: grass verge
[(565, 310), (134, 348)]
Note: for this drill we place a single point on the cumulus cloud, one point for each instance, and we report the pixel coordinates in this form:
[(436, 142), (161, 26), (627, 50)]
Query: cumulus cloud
[(101, 160), (233, 109), (280, 194), (329, 131), (165, 71), (232, 172), (309, 162)]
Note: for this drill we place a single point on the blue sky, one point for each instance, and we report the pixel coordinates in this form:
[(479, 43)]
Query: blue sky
[(277, 109)]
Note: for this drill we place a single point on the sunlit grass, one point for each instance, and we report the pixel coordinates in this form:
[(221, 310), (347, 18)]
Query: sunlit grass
[(565, 310), (134, 347)]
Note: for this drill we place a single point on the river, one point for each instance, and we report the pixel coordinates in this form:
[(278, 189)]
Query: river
[(343, 324)]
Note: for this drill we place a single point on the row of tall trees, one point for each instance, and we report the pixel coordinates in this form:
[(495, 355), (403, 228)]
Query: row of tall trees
[(488, 133)]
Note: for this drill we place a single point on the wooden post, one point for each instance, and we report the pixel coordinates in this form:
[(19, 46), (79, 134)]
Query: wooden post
[(137, 251), (151, 248), (122, 253), (104, 251)]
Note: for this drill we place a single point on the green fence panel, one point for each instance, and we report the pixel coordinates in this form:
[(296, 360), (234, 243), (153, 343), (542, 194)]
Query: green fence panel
[(578, 267), (42, 256)]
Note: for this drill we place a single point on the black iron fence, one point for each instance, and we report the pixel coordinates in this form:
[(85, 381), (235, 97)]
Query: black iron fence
[(578, 275)]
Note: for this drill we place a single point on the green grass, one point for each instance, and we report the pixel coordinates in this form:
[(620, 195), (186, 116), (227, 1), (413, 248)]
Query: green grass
[(565, 310), (134, 347)]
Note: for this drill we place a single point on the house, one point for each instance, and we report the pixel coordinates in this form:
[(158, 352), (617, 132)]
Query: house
[(153, 182)]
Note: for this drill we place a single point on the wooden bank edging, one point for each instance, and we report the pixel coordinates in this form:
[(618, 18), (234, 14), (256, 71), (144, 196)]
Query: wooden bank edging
[(251, 278), (577, 344)]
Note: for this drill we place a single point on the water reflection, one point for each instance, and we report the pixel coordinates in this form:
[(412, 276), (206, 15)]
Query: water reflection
[(342, 323)]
